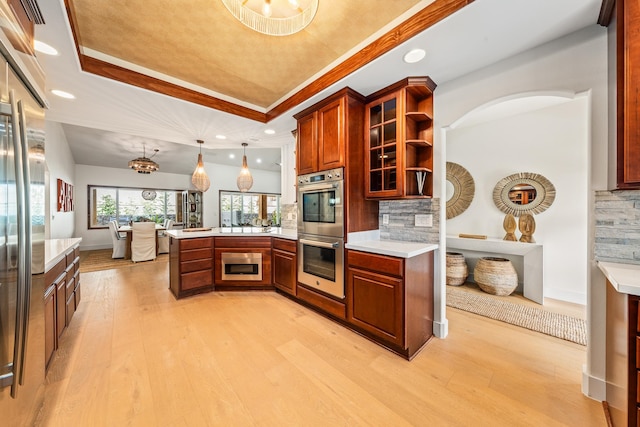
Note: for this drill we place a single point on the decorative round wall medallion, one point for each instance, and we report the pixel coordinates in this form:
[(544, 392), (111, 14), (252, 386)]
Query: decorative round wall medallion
[(149, 194), (463, 189), (524, 192)]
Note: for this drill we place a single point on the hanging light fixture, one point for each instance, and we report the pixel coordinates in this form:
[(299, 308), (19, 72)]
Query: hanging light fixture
[(144, 164), (273, 17), (245, 180), (199, 179)]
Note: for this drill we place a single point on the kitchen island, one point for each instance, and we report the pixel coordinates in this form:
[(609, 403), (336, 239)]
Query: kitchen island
[(388, 287)]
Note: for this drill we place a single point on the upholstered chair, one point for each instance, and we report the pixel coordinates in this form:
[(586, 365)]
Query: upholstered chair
[(163, 238), (143, 241), (119, 242)]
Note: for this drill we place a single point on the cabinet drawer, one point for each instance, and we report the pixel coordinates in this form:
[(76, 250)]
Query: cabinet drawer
[(54, 273), (71, 285), (197, 265), (196, 279), (77, 294), (71, 308), (202, 242), (195, 254), (285, 245), (76, 252), (379, 263), (243, 242), (70, 257)]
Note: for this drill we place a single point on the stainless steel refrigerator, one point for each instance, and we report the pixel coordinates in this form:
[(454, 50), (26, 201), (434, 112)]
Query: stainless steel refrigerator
[(22, 232)]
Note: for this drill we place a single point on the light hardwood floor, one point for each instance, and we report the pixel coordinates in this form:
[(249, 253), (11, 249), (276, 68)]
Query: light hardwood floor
[(133, 355)]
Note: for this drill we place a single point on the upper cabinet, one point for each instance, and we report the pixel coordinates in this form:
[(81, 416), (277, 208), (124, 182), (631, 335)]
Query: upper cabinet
[(628, 62), (399, 140), (324, 130)]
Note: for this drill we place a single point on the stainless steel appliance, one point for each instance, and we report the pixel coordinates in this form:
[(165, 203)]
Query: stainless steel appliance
[(241, 266), (321, 263), (22, 215), (320, 203)]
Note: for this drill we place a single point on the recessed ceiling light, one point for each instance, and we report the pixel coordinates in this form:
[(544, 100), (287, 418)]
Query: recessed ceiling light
[(414, 55), (63, 94), (232, 156), (44, 48), (221, 137), (269, 131), (258, 160)]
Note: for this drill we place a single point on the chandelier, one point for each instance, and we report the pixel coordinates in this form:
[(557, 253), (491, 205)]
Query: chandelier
[(245, 180), (144, 164), (273, 17), (199, 179)]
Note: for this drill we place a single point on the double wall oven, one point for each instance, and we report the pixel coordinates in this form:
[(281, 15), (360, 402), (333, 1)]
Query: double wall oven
[(321, 231)]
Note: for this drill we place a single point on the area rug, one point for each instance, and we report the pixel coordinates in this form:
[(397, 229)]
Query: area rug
[(536, 319), (101, 260)]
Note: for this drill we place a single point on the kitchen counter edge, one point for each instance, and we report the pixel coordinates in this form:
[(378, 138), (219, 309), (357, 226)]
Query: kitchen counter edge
[(394, 248), (55, 249), (625, 278), (245, 232)]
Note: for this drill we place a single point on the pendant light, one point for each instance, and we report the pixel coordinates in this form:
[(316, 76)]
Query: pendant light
[(245, 180), (199, 179)]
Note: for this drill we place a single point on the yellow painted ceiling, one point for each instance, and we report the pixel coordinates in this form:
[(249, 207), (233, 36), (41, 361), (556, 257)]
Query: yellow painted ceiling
[(200, 42)]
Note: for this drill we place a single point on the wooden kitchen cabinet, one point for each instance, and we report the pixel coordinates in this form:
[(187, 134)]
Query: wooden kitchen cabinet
[(239, 245), (628, 94), (325, 129), (390, 300), (191, 267), (50, 337), (399, 140), (623, 357), (61, 298), (285, 265)]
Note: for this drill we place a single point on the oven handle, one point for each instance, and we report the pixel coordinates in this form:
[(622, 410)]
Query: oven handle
[(320, 244), (313, 187)]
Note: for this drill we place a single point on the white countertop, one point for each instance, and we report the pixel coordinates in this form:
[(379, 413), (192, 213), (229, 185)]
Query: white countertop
[(392, 247), (54, 250), (625, 278), (236, 231)]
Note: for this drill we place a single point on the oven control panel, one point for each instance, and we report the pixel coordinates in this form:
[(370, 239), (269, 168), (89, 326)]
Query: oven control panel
[(331, 175)]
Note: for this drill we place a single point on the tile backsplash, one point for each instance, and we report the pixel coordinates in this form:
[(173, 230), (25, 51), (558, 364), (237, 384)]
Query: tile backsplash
[(617, 215), (289, 211), (402, 220)]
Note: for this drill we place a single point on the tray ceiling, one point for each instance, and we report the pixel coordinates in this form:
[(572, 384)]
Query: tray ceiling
[(204, 48)]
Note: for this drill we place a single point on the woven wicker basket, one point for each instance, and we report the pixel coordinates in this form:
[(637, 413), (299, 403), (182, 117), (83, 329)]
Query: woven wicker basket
[(496, 276), (457, 270)]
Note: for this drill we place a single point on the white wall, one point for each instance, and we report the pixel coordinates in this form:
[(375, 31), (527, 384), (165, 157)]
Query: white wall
[(223, 177), (60, 165), (94, 175), (522, 143), (576, 63)]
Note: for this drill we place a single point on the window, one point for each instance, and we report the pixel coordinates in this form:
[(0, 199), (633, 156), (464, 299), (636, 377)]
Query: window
[(244, 209), (127, 204)]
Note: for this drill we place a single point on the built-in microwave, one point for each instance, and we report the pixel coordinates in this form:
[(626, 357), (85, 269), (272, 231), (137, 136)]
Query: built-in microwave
[(320, 203)]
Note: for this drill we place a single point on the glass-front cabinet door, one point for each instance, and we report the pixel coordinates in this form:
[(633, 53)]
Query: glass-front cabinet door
[(399, 126), (384, 159)]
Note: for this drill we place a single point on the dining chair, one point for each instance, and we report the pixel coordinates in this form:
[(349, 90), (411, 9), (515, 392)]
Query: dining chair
[(143, 241), (119, 242), (163, 238)]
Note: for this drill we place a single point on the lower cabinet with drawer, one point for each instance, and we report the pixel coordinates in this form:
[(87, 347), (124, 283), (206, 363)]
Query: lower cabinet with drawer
[(61, 298), (390, 300), (191, 266), (622, 358), (285, 265), (243, 263)]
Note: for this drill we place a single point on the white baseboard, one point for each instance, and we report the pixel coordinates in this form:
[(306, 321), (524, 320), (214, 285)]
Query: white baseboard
[(441, 329), (568, 296), (94, 247), (595, 388)]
